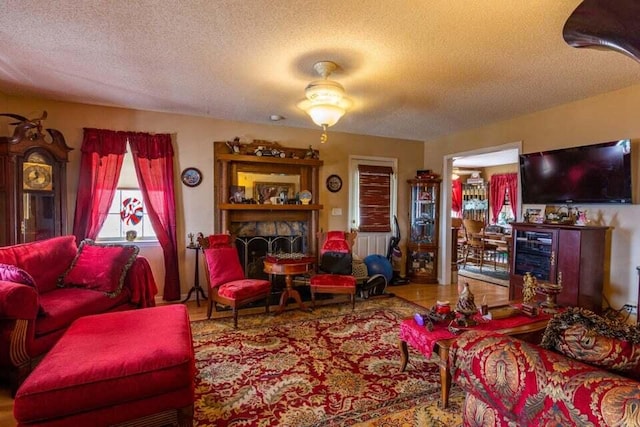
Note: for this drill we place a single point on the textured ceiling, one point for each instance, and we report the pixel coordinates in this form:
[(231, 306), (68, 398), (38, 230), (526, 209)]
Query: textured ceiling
[(415, 69)]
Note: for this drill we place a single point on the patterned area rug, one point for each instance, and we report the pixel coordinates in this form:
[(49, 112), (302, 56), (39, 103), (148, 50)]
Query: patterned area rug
[(330, 367)]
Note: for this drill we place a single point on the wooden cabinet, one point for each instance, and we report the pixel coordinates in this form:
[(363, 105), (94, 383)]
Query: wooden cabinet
[(422, 244), (297, 174), (571, 255), (32, 185)]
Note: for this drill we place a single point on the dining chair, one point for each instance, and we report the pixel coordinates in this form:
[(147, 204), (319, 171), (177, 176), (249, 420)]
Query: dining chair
[(477, 249), (227, 283), (335, 268), (461, 239)]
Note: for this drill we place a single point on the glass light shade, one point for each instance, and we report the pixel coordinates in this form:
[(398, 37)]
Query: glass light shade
[(326, 102), (325, 114)]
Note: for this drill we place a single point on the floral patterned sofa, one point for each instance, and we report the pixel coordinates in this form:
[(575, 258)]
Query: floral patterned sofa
[(586, 376), (46, 285)]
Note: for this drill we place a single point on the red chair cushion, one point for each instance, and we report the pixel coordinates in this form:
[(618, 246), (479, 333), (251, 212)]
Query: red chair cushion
[(224, 265), (112, 359), (332, 280), (239, 290)]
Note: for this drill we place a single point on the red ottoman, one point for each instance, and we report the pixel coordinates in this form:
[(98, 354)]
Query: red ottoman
[(114, 368)]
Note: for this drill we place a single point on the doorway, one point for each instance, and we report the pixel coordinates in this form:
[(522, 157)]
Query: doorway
[(472, 160)]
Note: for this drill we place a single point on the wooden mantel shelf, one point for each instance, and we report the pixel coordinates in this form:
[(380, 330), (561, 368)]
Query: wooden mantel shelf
[(266, 207), (267, 159)]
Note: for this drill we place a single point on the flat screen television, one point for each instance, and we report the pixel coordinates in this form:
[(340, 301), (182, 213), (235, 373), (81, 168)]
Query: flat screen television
[(599, 173)]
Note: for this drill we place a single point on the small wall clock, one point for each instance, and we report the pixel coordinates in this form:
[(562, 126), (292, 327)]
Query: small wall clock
[(334, 183), (191, 177)]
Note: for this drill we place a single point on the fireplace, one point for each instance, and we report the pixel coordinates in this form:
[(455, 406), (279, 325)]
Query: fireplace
[(254, 240)]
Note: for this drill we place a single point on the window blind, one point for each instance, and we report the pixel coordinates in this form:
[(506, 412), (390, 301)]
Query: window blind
[(375, 198)]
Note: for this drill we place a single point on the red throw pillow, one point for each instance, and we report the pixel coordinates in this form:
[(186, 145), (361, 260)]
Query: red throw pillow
[(224, 266), (11, 273), (14, 274), (100, 267)]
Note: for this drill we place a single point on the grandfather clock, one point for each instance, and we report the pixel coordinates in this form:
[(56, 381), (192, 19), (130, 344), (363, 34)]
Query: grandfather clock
[(33, 196)]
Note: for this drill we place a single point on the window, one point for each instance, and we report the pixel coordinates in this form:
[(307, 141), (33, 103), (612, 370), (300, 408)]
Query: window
[(506, 213), (127, 213), (373, 197)]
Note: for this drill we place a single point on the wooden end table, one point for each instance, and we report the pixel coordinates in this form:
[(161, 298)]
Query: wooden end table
[(530, 332), (289, 268)]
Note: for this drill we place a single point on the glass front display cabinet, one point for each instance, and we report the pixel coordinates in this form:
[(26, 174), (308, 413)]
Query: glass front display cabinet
[(422, 245)]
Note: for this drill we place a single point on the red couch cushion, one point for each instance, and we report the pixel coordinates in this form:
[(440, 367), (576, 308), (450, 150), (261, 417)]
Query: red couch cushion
[(44, 260), (102, 267), (64, 306), (111, 359)]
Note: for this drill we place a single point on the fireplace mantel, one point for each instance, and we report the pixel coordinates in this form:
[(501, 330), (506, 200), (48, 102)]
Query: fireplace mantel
[(266, 219)]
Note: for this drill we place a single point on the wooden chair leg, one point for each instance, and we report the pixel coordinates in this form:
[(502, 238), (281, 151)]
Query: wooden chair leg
[(210, 308), (235, 318), (313, 298), (353, 301)]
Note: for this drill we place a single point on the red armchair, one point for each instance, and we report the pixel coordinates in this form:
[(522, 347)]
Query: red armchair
[(227, 283), (335, 266)]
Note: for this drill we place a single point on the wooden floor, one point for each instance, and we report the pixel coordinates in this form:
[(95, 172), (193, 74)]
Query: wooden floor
[(424, 295)]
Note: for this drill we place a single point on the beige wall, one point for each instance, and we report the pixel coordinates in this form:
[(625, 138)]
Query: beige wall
[(607, 117), (193, 137)]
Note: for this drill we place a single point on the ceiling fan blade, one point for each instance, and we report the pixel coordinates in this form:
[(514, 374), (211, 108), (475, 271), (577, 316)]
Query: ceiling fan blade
[(605, 24)]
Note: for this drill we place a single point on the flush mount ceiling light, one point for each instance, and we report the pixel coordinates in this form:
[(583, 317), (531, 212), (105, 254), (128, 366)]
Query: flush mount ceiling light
[(326, 102)]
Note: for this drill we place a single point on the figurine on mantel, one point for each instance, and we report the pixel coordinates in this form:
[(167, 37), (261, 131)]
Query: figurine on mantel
[(466, 306)]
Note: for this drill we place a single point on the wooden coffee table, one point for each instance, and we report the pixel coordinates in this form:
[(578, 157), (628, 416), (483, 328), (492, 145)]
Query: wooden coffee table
[(419, 336)]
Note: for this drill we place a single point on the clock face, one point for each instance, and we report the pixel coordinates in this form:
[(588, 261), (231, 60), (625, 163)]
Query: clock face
[(37, 176), (334, 183)]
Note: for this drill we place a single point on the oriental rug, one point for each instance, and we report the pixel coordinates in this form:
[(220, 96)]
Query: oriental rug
[(329, 367)]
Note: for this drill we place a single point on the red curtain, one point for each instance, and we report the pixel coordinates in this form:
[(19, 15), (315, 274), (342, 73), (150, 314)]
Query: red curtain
[(512, 180), (100, 165), (456, 197), (499, 185), (153, 160)]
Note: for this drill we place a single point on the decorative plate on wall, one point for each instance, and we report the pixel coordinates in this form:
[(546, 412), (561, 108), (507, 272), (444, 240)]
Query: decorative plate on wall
[(191, 177), (334, 183)]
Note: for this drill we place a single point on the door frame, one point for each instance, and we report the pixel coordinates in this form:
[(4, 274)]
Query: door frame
[(445, 209)]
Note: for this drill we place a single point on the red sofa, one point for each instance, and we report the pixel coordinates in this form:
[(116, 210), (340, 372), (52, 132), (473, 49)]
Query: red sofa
[(509, 382), (35, 310)]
